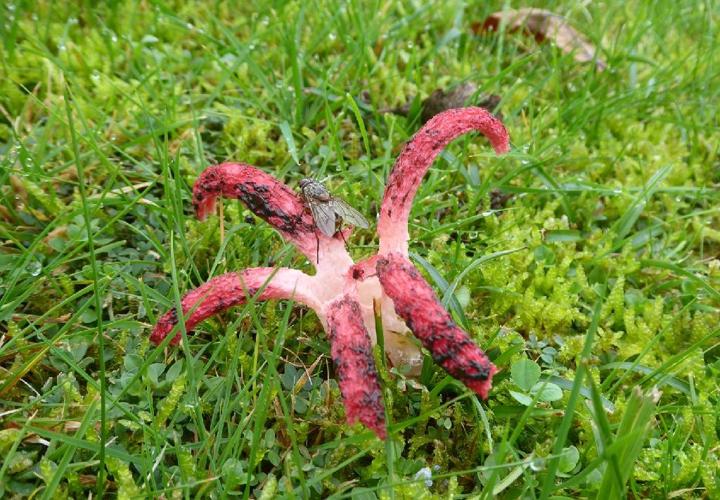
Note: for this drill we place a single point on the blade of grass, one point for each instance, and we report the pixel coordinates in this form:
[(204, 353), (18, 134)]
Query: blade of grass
[(629, 441), (564, 429), (654, 374), (624, 224), (263, 403), (361, 123), (100, 484), (450, 291), (715, 294), (443, 285)]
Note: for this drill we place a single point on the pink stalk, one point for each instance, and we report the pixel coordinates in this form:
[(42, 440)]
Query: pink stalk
[(450, 347), (417, 157)]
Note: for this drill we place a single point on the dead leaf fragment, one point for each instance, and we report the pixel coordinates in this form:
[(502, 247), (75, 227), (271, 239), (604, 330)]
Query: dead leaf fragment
[(456, 97), (5, 213), (544, 25), (498, 199)]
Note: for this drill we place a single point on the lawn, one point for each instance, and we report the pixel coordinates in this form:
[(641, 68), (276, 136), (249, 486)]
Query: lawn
[(585, 262)]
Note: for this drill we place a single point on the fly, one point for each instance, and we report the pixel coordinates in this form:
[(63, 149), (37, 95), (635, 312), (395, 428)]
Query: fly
[(328, 210)]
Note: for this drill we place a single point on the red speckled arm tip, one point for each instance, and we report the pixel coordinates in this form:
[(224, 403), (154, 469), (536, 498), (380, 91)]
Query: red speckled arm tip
[(417, 304), (352, 354), (268, 198), (232, 289), (417, 157)]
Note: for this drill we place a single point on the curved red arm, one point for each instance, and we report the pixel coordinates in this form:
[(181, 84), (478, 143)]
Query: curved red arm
[(266, 197), (232, 289), (417, 157), (419, 307)]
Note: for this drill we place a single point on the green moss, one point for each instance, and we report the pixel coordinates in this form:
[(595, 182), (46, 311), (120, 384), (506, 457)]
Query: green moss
[(126, 487), (167, 406)]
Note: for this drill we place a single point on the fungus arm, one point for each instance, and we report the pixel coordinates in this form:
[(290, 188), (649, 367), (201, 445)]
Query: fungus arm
[(416, 303), (272, 201), (351, 352), (232, 289), (351, 348), (417, 157)]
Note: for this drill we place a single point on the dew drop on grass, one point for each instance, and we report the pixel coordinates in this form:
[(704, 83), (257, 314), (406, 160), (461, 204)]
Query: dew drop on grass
[(425, 475), (537, 464), (34, 268)]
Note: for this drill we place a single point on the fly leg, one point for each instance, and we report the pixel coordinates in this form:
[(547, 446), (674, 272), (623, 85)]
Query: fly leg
[(338, 229), (317, 238), (317, 247), (344, 240)]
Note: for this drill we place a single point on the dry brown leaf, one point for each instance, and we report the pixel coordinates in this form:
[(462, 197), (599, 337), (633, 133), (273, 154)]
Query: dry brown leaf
[(87, 479), (544, 25), (441, 100), (5, 213), (19, 188), (498, 199), (457, 97), (72, 425)]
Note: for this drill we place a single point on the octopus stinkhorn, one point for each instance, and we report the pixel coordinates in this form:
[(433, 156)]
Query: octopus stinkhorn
[(345, 294)]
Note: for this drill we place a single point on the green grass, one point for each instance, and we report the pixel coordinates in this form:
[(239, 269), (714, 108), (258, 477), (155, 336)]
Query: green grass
[(599, 278)]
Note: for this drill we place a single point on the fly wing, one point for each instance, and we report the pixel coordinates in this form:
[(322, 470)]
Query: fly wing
[(349, 214), (324, 217)]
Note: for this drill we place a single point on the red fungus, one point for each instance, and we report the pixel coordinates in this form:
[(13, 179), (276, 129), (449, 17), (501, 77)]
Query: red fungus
[(344, 295)]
